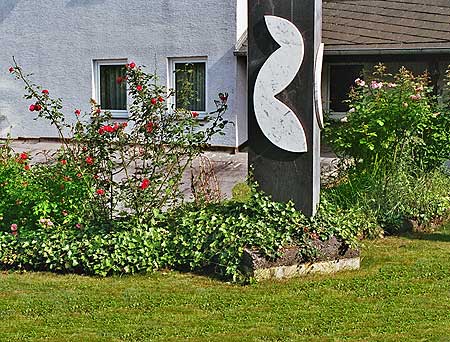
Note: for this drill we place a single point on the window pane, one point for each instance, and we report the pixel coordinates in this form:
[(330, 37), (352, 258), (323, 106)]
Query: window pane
[(190, 86), (342, 78), (113, 95)]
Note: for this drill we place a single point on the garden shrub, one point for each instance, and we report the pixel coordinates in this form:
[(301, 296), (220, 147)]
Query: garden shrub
[(124, 171), (394, 141), (39, 195), (194, 237), (395, 196), (393, 118)]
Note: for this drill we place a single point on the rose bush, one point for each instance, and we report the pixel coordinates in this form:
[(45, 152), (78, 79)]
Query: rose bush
[(126, 169)]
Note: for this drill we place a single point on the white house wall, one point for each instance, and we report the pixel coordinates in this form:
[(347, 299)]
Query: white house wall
[(58, 41)]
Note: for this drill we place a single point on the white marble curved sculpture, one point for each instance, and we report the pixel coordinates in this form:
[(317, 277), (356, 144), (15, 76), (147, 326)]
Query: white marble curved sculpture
[(318, 86), (277, 121)]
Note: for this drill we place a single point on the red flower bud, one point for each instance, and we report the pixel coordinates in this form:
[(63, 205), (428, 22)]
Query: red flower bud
[(149, 127), (100, 192), (194, 114), (63, 161), (26, 167), (45, 91), (89, 160), (32, 108), (132, 65), (98, 111), (24, 156), (11, 69), (124, 124), (77, 112), (153, 101), (139, 88), (37, 107), (160, 99), (145, 184)]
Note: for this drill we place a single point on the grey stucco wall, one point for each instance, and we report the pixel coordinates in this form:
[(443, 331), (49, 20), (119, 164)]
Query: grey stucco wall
[(58, 40)]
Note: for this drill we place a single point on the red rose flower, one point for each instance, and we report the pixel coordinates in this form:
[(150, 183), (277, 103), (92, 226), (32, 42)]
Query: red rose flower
[(223, 97), (26, 167), (32, 108), (160, 99), (194, 114), (139, 87), (45, 91), (98, 111), (11, 69), (37, 107), (89, 160), (132, 65), (100, 192), (77, 112), (153, 101), (149, 127), (101, 130), (24, 156), (145, 184), (14, 229), (79, 175), (124, 124), (63, 161)]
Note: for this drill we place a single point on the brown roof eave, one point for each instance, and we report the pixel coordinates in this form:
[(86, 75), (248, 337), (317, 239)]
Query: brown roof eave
[(386, 51)]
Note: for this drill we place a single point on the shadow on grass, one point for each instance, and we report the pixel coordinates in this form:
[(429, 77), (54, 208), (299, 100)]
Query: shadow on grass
[(441, 235)]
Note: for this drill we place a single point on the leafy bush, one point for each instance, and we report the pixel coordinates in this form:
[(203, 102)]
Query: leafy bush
[(392, 197), (192, 237), (39, 195), (396, 137), (393, 117)]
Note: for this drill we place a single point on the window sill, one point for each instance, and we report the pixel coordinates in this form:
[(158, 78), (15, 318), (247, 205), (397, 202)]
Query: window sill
[(117, 114)]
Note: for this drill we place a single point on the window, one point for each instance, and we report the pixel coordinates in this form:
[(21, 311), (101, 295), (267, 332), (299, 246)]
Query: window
[(109, 92), (341, 78), (188, 79)]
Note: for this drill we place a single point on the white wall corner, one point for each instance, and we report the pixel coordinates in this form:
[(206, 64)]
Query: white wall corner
[(241, 18)]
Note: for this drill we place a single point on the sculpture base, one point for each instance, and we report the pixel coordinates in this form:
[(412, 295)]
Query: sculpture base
[(333, 257)]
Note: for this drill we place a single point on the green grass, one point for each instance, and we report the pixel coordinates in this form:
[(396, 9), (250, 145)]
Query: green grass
[(401, 293)]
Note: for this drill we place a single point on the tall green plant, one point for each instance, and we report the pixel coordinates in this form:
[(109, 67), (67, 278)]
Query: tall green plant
[(393, 117)]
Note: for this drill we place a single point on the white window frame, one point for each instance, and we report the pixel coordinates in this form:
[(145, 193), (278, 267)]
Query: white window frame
[(171, 78), (336, 115), (96, 63)]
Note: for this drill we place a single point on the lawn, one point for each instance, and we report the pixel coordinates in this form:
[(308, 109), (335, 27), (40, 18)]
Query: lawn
[(401, 293)]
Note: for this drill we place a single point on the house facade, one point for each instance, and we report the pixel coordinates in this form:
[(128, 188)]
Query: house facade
[(76, 49), (358, 34)]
